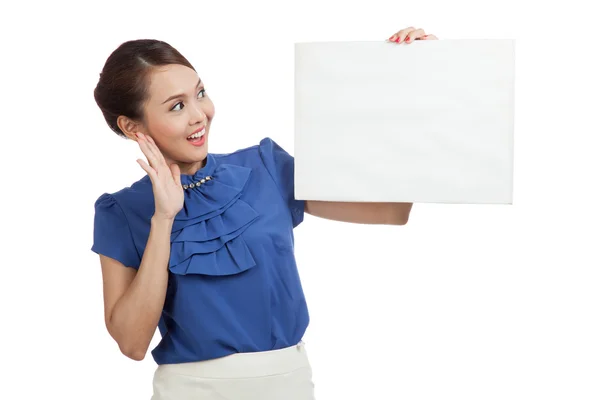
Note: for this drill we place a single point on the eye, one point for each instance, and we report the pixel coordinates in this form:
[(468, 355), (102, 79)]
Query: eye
[(203, 91)]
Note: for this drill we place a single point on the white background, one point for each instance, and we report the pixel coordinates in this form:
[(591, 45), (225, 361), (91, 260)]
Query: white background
[(464, 302)]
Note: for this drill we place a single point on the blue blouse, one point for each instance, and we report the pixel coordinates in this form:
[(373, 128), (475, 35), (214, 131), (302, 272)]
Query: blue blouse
[(233, 283)]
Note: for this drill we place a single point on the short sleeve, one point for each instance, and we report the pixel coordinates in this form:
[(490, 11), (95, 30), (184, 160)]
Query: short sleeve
[(280, 165), (112, 236)]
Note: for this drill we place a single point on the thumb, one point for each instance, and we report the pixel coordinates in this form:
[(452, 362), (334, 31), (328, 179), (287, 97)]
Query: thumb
[(176, 172)]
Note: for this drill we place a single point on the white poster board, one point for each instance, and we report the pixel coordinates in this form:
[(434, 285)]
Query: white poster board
[(431, 121)]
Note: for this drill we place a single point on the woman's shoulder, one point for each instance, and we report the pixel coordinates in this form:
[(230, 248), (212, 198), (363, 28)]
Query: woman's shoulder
[(135, 197)]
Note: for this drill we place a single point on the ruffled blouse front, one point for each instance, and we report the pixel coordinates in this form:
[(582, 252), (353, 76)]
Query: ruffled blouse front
[(206, 237)]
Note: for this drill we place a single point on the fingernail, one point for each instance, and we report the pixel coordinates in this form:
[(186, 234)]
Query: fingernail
[(397, 40), (407, 39), (391, 37)]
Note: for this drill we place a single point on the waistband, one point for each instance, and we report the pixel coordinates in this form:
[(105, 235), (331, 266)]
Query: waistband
[(243, 365)]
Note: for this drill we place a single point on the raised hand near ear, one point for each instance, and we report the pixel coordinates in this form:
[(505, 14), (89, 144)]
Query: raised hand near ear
[(166, 180)]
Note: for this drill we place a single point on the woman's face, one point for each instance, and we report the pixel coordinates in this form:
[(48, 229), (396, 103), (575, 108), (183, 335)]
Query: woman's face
[(178, 107)]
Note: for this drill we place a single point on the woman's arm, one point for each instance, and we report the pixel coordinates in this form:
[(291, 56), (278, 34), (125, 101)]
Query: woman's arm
[(133, 300), (361, 213)]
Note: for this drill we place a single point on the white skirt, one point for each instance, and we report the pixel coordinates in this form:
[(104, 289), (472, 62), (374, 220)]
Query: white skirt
[(283, 374)]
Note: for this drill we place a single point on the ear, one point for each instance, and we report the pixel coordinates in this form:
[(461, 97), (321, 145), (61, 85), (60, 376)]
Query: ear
[(129, 127)]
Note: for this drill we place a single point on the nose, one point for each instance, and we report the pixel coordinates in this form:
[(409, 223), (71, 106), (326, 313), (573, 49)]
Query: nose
[(196, 114)]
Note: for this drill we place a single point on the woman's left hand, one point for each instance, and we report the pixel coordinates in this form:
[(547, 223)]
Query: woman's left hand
[(410, 34)]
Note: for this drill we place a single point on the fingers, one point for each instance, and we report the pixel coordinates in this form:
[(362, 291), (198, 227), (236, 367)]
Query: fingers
[(156, 150), (150, 146), (151, 151), (156, 159), (145, 147), (428, 37), (414, 34), (151, 172), (409, 35), (400, 36)]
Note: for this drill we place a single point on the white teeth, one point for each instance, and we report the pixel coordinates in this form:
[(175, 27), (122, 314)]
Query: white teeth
[(197, 135)]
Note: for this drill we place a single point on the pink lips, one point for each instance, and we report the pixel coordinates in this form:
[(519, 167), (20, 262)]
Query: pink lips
[(198, 141), (197, 130)]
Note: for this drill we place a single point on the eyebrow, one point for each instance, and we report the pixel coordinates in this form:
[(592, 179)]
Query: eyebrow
[(181, 94)]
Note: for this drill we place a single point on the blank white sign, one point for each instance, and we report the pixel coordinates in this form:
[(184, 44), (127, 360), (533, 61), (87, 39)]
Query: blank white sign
[(431, 121)]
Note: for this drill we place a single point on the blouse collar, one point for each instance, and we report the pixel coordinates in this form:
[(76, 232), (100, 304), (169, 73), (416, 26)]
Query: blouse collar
[(207, 170)]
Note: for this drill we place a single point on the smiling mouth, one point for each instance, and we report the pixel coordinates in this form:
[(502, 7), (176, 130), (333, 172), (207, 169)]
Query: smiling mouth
[(198, 135)]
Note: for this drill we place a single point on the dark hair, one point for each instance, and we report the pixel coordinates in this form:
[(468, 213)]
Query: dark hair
[(123, 85)]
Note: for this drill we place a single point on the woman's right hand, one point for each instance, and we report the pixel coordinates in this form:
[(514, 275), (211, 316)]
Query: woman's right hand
[(166, 180)]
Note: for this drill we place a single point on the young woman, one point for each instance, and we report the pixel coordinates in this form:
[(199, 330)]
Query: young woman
[(202, 246)]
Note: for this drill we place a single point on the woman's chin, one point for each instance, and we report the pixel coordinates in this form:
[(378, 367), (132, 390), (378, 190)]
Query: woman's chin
[(199, 154)]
